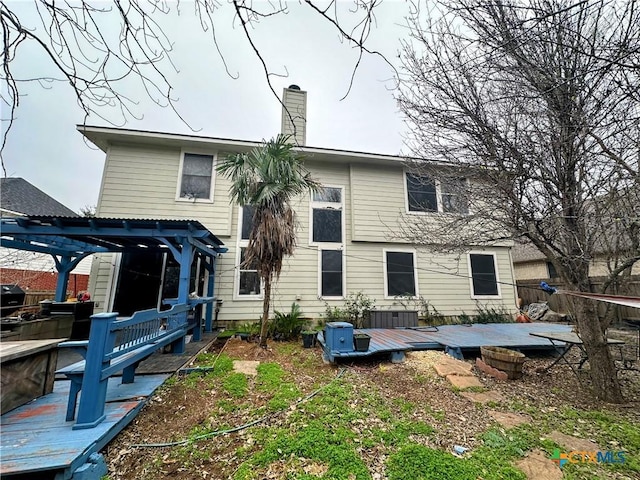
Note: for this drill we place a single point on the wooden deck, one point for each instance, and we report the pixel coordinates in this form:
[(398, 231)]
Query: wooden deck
[(37, 443), (454, 339)]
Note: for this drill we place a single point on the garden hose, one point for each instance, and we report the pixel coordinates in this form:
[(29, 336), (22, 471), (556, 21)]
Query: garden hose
[(239, 428)]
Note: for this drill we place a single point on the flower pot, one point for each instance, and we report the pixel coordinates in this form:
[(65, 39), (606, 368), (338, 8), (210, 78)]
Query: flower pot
[(509, 361), (308, 339), (361, 342)]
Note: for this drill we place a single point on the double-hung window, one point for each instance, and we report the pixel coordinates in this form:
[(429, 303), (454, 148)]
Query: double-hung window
[(248, 283), (426, 194), (327, 233), (484, 277), (196, 177), (400, 274)]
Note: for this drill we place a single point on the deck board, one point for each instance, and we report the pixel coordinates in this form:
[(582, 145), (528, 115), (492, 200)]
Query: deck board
[(467, 337), (36, 440), (45, 441)]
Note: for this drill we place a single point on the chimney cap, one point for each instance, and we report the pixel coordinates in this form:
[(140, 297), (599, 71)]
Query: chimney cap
[(294, 87)]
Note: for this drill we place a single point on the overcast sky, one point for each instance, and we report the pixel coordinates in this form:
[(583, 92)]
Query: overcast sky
[(45, 148)]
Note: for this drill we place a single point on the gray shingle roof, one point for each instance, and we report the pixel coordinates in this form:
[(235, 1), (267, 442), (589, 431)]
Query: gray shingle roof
[(18, 195), (524, 251)]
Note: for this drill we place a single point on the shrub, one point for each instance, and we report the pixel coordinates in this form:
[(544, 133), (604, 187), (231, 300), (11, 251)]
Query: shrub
[(492, 315), (287, 326)]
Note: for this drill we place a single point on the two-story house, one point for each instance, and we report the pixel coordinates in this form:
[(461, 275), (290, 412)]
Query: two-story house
[(347, 234)]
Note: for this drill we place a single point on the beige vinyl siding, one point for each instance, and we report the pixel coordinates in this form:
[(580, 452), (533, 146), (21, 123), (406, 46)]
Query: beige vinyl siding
[(377, 202), (444, 282), (140, 182)]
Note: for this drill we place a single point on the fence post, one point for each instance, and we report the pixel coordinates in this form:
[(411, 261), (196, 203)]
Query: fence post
[(94, 388)]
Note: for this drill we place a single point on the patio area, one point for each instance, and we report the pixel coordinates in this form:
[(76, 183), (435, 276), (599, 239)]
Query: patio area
[(37, 442)]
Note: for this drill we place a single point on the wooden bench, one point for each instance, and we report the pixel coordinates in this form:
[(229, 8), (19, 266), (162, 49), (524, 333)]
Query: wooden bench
[(117, 345)]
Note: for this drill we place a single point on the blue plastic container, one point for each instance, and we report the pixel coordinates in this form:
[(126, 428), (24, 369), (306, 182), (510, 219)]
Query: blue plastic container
[(339, 337)]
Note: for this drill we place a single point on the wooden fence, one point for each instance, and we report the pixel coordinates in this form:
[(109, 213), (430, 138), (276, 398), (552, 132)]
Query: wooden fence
[(530, 292)]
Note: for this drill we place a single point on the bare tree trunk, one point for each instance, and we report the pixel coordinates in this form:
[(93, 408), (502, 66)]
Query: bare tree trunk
[(602, 369), (265, 312)]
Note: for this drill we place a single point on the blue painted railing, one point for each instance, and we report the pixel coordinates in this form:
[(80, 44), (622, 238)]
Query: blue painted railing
[(116, 345)]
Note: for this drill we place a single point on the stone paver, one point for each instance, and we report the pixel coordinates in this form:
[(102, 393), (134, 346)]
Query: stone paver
[(483, 397), (489, 370), (571, 443), (248, 367), (508, 419), (464, 381), (538, 466), (454, 367)]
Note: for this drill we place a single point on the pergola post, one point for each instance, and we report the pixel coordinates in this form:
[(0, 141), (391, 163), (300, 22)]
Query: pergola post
[(184, 258), (210, 265), (64, 265)]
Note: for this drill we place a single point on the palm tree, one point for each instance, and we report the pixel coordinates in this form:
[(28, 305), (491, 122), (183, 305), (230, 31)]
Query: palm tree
[(267, 179)]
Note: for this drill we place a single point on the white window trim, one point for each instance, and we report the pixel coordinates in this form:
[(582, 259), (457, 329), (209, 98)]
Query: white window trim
[(415, 271), (327, 205), (236, 277), (495, 268), (344, 273), (439, 202), (214, 161)]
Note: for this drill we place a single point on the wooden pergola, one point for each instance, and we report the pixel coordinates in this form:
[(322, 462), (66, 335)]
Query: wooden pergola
[(70, 239)]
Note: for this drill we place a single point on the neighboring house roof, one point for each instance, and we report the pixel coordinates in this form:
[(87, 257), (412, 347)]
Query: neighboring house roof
[(19, 197), (526, 252)]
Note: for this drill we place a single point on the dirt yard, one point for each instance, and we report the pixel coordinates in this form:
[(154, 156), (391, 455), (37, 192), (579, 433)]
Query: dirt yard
[(370, 420)]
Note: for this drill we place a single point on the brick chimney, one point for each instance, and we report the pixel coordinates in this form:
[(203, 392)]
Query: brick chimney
[(295, 108)]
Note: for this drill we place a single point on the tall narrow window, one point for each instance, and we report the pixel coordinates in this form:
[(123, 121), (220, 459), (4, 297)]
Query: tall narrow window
[(483, 275), (197, 173), (400, 274), (248, 282), (331, 273), (247, 222), (326, 213)]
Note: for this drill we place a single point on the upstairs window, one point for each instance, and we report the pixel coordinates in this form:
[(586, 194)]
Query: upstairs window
[(196, 177), (247, 222), (484, 279), (326, 214), (421, 194), (425, 194)]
